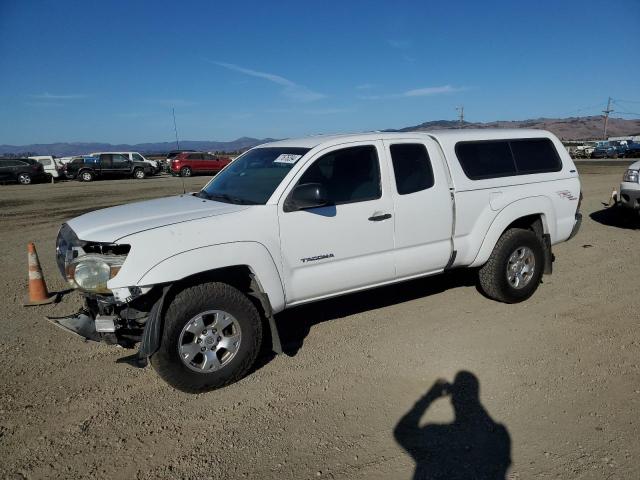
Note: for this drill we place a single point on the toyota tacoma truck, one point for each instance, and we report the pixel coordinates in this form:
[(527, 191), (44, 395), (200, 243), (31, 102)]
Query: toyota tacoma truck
[(197, 282)]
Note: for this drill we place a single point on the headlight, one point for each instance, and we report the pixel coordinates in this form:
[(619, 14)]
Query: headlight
[(92, 272), (630, 176)]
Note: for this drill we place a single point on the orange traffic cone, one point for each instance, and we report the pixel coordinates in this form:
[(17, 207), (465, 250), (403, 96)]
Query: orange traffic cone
[(38, 293)]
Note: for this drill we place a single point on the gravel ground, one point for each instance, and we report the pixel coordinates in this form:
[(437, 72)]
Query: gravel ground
[(559, 375)]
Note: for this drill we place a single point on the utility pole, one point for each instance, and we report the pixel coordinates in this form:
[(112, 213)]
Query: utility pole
[(460, 111), (175, 129), (606, 117)]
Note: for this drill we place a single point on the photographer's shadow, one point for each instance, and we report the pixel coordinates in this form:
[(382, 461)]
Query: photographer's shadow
[(473, 446)]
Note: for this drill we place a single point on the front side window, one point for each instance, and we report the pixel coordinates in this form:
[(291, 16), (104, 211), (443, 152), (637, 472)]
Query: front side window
[(349, 175), (252, 178), (120, 159), (411, 167), (138, 157)]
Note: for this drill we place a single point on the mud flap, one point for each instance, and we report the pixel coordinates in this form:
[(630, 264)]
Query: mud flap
[(548, 254), (81, 324), (152, 329)]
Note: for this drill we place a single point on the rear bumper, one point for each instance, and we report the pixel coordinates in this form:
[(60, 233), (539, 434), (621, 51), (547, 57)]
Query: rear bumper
[(630, 199)]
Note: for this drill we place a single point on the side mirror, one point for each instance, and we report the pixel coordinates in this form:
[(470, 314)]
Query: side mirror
[(307, 195)]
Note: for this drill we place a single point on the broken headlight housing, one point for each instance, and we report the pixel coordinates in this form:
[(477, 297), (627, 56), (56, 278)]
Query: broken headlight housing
[(92, 272), (88, 265), (631, 176)]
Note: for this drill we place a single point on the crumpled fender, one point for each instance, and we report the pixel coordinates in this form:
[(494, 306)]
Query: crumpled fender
[(211, 257)]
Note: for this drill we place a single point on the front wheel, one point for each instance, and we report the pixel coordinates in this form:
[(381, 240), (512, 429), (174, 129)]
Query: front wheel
[(514, 269), (139, 173), (86, 176), (212, 336)]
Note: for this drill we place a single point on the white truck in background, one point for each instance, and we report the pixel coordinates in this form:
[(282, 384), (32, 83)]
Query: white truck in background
[(197, 278), (629, 197)]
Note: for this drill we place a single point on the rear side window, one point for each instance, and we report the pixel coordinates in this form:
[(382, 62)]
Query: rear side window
[(481, 160), (45, 162), (349, 175), (411, 167), (504, 158), (195, 156), (535, 155)]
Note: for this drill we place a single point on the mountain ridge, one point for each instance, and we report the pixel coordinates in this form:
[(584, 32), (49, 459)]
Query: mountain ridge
[(570, 128)]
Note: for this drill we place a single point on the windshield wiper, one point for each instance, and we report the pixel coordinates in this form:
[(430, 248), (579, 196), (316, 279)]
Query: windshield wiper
[(225, 197)]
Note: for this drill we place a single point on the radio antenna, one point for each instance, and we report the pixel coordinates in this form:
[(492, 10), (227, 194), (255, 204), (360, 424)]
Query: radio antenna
[(175, 129)]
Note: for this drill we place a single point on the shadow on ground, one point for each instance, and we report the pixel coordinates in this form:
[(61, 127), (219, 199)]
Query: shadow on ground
[(473, 446), (617, 217), (294, 324)]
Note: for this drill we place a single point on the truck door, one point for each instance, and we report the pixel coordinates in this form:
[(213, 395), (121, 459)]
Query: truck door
[(347, 244), (423, 207), (121, 165)]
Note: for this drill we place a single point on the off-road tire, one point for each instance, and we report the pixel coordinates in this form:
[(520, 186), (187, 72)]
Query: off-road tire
[(186, 172), (183, 307), (86, 176), (139, 174), (493, 274)]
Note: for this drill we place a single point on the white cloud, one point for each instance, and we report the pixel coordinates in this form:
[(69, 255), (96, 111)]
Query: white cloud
[(399, 43), (51, 96), (417, 92), (365, 86), (172, 102), (290, 89), (328, 111)]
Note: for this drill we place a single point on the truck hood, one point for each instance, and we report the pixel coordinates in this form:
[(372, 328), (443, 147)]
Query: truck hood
[(110, 224)]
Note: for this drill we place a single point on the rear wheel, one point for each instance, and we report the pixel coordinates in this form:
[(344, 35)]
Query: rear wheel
[(185, 172), (212, 336), (86, 176), (514, 269), (24, 178), (139, 173)]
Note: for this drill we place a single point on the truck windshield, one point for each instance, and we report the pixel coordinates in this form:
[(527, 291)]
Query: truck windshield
[(252, 178)]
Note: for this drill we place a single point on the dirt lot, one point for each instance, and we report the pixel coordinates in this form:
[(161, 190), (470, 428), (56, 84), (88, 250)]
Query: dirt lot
[(560, 372)]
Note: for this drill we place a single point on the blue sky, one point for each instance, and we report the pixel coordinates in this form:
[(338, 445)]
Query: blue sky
[(112, 70)]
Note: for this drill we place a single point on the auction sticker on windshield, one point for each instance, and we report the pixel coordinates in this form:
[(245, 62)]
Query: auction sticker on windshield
[(287, 158)]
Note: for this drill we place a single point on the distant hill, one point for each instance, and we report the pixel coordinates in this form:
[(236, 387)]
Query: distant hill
[(69, 149), (573, 128)]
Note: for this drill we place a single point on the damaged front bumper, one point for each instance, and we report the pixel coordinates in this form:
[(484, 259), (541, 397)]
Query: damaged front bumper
[(105, 319)]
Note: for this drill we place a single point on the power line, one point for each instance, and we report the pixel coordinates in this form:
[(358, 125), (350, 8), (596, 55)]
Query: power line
[(460, 111), (606, 116)]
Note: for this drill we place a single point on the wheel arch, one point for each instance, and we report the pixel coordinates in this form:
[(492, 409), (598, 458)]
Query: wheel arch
[(534, 213), (233, 261)]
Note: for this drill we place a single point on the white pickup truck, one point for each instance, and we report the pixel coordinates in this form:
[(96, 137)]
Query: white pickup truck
[(198, 280)]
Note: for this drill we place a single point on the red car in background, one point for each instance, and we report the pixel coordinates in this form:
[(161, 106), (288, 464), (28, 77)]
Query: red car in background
[(186, 164)]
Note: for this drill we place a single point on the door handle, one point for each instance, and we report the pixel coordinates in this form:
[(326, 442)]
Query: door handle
[(379, 218)]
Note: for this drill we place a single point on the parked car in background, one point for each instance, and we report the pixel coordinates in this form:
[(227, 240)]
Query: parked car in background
[(134, 157), (106, 165), (21, 170), (186, 164), (633, 150), (52, 167), (605, 152), (170, 156)]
